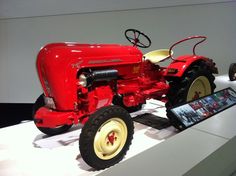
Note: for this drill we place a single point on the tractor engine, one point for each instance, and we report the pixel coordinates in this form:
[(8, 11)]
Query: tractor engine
[(95, 89)]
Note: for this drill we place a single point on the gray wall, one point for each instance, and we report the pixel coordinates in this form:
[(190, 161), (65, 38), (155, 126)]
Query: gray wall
[(21, 39)]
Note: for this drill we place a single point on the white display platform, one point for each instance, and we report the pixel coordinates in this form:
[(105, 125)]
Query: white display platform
[(25, 151)]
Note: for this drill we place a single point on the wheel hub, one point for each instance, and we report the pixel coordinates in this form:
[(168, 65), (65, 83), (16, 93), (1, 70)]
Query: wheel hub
[(110, 138), (199, 88)]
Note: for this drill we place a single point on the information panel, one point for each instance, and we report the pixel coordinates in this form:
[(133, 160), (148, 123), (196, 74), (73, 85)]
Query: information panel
[(193, 112)]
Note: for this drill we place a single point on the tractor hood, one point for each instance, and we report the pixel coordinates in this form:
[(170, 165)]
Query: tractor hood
[(59, 63), (89, 54)]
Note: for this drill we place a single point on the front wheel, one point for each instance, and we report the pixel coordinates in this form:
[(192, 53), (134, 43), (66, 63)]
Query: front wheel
[(195, 83), (49, 131), (106, 137)]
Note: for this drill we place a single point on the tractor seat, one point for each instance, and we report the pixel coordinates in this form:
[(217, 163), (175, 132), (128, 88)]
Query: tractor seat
[(157, 55)]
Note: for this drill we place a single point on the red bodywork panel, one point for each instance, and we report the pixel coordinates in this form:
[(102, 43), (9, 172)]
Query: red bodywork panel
[(58, 65), (181, 64), (52, 119)]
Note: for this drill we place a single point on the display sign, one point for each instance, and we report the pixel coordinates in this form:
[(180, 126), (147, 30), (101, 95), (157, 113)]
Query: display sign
[(198, 110)]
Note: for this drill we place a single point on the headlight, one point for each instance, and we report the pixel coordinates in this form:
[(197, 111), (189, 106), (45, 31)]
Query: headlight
[(83, 80)]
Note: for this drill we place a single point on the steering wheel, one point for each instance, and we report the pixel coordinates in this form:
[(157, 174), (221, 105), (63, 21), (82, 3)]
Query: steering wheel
[(134, 36)]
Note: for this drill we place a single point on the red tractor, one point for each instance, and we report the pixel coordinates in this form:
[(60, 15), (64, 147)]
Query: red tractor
[(99, 84)]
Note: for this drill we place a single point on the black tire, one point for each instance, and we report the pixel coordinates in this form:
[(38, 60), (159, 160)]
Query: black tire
[(232, 72), (118, 100), (49, 131), (100, 120), (181, 87)]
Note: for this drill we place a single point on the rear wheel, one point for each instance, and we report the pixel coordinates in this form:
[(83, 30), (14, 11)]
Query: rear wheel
[(197, 82), (232, 72), (106, 137), (49, 131)]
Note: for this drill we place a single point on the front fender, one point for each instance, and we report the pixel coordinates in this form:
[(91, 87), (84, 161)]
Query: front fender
[(178, 67)]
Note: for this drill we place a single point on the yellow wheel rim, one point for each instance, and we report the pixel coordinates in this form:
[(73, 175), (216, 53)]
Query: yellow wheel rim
[(110, 138), (199, 88)]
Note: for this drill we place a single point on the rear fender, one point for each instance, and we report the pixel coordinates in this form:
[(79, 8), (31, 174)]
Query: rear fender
[(178, 67)]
